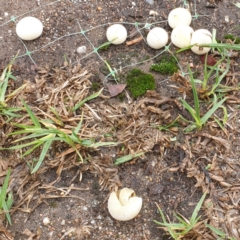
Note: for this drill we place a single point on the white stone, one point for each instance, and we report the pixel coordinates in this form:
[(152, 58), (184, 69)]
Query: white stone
[(157, 38), (200, 37), (179, 16), (81, 49), (181, 36), (46, 221), (29, 28), (116, 34)]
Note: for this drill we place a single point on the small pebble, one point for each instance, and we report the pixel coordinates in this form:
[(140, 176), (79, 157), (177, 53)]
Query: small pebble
[(5, 14), (150, 1), (46, 221), (81, 49), (63, 222), (84, 208)]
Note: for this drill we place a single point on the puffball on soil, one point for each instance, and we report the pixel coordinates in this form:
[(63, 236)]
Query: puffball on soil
[(124, 205), (29, 28), (200, 37), (181, 36), (179, 16), (116, 34), (157, 38)]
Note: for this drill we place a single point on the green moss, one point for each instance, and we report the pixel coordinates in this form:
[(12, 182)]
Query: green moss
[(95, 86), (167, 65), (139, 82), (236, 40)]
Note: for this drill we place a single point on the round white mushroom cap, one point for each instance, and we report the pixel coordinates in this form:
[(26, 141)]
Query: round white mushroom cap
[(116, 34), (29, 28), (179, 16), (157, 38), (181, 36), (125, 205), (200, 37)]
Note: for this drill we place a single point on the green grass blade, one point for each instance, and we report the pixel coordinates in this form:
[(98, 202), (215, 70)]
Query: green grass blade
[(77, 129), (197, 208), (212, 110), (32, 149), (87, 99), (190, 110), (219, 79), (32, 116), (195, 94), (45, 148), (6, 209), (54, 111), (162, 215), (3, 89), (103, 144), (172, 233), (173, 226), (10, 112), (34, 135), (25, 131), (217, 231), (222, 46), (15, 92), (181, 220), (4, 189), (16, 147), (127, 158)]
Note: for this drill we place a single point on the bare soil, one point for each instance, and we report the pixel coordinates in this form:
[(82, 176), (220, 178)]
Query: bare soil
[(171, 173)]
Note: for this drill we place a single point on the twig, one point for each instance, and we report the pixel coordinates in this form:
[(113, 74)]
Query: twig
[(136, 40)]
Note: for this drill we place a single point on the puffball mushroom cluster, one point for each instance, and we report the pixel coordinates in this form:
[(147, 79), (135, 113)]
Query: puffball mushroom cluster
[(182, 34), (124, 205)]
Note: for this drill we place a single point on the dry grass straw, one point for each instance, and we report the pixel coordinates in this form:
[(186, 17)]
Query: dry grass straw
[(52, 96)]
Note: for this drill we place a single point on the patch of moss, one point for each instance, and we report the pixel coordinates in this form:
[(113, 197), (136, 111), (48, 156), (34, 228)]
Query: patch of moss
[(95, 86), (139, 82), (236, 40), (167, 65)]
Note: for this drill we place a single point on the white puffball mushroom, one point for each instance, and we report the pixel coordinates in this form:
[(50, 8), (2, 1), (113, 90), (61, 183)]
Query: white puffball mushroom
[(181, 36), (124, 205), (116, 34), (179, 16), (29, 28), (157, 38), (200, 37)]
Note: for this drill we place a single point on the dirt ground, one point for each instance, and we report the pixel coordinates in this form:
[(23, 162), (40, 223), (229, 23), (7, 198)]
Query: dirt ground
[(171, 172)]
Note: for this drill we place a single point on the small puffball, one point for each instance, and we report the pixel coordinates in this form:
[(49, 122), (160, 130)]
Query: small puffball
[(116, 34), (179, 16), (46, 221), (200, 37), (181, 36), (125, 205), (157, 38), (29, 28), (81, 49)]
